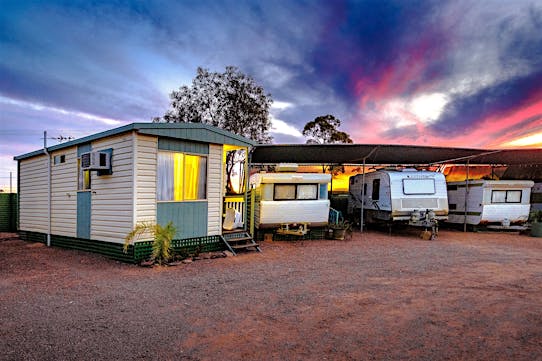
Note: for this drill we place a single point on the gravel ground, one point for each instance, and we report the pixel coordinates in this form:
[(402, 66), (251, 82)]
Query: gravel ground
[(465, 296)]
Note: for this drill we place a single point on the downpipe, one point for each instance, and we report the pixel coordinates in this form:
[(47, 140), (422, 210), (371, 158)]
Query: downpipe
[(49, 198)]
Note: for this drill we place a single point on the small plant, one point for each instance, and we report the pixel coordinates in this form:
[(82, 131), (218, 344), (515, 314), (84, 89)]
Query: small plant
[(340, 229), (341, 224), (162, 237), (535, 216)]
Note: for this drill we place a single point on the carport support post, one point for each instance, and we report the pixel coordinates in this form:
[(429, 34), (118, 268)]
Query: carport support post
[(466, 196), (362, 196)]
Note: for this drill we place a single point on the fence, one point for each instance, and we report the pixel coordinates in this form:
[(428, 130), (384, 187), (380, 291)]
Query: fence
[(8, 212)]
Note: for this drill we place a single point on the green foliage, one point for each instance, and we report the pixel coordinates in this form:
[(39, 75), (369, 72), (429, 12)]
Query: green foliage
[(162, 237), (535, 216), (230, 100), (324, 130), (342, 224)]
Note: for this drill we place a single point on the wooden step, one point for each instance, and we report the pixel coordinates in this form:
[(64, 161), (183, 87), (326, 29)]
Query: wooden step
[(240, 239), (241, 246)]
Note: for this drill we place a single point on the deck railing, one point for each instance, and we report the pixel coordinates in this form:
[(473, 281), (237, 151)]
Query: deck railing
[(335, 216), (236, 202)]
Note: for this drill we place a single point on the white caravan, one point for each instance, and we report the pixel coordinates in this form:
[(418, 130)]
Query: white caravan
[(288, 198), (494, 203), (406, 196), (536, 197)]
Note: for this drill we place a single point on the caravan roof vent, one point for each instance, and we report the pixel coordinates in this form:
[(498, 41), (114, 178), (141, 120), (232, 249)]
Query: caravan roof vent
[(286, 167), (96, 161)]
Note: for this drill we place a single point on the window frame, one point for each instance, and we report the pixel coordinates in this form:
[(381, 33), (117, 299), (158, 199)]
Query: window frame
[(296, 192), (408, 189), (59, 159), (506, 191), (375, 191), (84, 184), (183, 200)]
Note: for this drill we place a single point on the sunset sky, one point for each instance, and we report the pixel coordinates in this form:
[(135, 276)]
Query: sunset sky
[(451, 73)]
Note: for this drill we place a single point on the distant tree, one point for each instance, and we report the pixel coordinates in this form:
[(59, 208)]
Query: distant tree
[(324, 130), (230, 100)]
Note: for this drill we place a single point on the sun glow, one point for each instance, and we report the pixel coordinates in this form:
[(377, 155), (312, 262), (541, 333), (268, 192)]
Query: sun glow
[(533, 140), (428, 107)]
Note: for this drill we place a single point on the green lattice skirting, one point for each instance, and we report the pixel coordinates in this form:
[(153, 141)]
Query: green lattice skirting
[(143, 250), (135, 253)]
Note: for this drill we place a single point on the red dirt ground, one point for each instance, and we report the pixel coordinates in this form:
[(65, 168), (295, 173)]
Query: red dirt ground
[(465, 296)]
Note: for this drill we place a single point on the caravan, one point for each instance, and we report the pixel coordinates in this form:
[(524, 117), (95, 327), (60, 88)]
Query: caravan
[(495, 203), (409, 196), (290, 198)]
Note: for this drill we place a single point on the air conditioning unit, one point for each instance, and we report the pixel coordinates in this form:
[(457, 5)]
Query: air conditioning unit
[(96, 161)]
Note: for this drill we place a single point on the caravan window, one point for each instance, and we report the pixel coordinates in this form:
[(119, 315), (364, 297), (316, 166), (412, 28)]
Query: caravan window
[(376, 190), (285, 192), (419, 186), (307, 191), (498, 196)]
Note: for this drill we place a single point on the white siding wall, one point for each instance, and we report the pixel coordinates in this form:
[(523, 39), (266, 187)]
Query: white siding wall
[(214, 189), (33, 207), (112, 195), (145, 181), (64, 194)]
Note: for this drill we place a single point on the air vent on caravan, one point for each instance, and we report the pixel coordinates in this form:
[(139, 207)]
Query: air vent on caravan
[(286, 167), (96, 161)]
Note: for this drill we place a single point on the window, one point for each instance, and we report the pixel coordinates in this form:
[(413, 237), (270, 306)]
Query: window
[(376, 190), (284, 192), (83, 177), (181, 177), (58, 159), (419, 186), (498, 196), (307, 191)]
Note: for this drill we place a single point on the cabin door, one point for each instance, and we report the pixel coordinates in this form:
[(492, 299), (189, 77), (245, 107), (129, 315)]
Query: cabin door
[(83, 214)]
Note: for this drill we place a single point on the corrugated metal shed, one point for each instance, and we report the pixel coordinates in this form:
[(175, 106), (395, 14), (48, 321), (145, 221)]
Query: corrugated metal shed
[(389, 154), (528, 171)]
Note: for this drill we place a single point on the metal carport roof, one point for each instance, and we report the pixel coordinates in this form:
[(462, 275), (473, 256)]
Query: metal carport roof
[(379, 154)]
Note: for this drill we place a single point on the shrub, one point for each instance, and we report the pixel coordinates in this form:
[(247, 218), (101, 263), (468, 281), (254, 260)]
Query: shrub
[(162, 237)]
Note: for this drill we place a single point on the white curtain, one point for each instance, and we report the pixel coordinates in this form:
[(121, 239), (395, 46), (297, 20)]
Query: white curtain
[(165, 176)]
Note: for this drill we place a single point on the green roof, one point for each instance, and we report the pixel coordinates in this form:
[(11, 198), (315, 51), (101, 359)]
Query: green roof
[(198, 132)]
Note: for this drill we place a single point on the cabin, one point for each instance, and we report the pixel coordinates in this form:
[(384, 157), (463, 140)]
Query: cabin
[(417, 198), (91, 192), (493, 203), (282, 199)]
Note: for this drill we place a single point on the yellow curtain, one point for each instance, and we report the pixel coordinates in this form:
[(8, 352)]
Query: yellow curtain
[(178, 176), (191, 172)]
